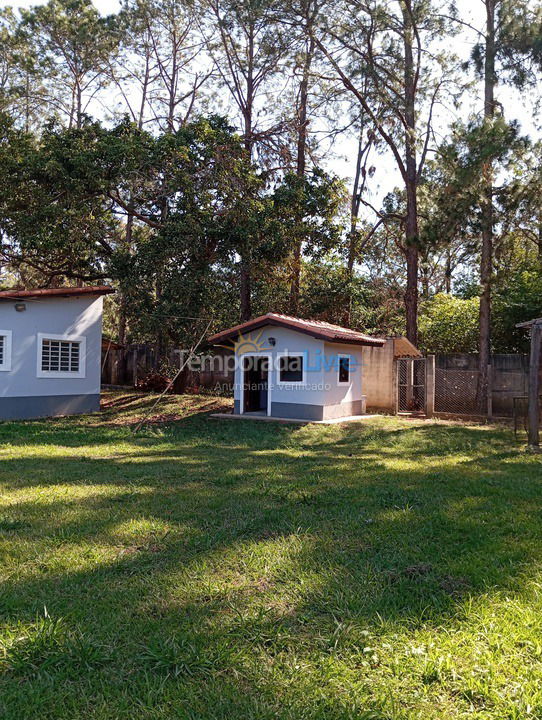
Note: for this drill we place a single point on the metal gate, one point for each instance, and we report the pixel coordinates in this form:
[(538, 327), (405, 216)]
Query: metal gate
[(411, 385)]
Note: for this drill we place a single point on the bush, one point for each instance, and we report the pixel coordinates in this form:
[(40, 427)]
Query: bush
[(449, 324), (154, 382)]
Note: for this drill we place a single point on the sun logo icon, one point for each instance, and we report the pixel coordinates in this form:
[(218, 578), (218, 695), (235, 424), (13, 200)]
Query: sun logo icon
[(248, 344)]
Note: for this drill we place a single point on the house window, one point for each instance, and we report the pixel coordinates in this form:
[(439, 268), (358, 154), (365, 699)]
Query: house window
[(5, 350), (344, 369), (61, 356), (291, 368)]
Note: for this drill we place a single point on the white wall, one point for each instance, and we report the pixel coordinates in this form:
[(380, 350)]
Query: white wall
[(343, 393), (321, 386), (80, 316), (312, 393)]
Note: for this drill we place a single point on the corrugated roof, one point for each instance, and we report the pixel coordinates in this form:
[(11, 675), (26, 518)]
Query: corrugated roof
[(316, 328), (403, 348), (55, 292)]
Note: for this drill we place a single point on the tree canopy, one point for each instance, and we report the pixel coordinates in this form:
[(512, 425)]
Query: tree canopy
[(227, 159)]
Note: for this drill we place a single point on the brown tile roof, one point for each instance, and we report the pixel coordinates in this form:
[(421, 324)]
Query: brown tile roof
[(55, 292), (315, 328)]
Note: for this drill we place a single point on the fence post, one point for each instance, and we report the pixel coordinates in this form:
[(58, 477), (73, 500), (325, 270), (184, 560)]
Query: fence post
[(490, 392), (430, 385), (534, 387), (395, 385), (134, 366)]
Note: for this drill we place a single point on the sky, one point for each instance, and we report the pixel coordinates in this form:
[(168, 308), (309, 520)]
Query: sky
[(386, 177)]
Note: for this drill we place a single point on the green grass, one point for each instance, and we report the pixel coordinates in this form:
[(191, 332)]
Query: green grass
[(242, 571)]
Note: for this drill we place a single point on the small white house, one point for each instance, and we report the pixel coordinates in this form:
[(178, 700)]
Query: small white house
[(287, 367), (50, 349)]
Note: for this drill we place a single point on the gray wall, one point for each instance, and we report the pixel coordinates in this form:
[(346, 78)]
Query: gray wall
[(379, 377), (80, 316)]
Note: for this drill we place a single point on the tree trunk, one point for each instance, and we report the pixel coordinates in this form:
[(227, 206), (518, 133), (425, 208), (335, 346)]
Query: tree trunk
[(411, 185), (486, 261), (301, 162), (245, 274), (448, 272), (425, 281), (354, 208), (245, 287), (245, 270)]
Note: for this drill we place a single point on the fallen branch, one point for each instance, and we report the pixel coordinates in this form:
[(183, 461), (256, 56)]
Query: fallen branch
[(172, 381)]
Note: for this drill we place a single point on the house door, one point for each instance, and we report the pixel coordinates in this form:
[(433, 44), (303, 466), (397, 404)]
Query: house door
[(255, 384)]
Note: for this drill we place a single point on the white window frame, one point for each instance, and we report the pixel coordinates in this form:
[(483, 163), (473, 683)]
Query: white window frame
[(5, 365), (292, 383), (62, 374), (242, 357), (348, 382)]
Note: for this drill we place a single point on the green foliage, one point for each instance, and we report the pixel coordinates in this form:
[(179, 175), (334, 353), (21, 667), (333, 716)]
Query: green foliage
[(175, 208), (73, 44), (518, 42), (449, 324), (308, 207), (454, 182), (518, 298), (194, 203)]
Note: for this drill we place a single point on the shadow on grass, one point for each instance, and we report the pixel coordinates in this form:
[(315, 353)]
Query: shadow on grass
[(264, 539)]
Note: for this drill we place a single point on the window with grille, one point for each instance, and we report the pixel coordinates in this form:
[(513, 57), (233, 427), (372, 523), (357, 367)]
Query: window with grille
[(60, 356), (5, 349)]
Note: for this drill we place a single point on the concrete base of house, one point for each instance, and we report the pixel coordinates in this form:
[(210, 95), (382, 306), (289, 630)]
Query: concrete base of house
[(306, 412), (28, 408), (267, 418)]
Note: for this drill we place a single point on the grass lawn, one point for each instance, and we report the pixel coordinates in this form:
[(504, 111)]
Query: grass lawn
[(214, 569)]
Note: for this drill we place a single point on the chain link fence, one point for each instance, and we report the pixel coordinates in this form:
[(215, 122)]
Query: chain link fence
[(457, 385), (457, 388), (411, 384), (456, 391)]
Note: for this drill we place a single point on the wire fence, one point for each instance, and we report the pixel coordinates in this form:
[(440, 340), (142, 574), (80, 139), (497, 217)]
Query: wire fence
[(456, 391), (456, 385), (458, 388), (411, 384)]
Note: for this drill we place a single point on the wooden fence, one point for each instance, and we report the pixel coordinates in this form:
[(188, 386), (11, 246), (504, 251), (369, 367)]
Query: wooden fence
[(128, 365)]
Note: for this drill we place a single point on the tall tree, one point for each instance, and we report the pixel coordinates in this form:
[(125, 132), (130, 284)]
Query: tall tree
[(21, 92), (247, 45), (74, 44), (304, 48), (165, 61), (509, 48), (393, 45)]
